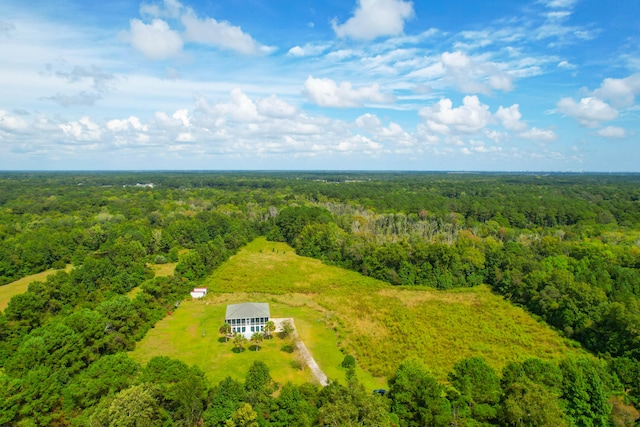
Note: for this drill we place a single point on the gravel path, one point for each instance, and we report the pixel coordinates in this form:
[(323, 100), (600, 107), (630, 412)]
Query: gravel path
[(304, 351)]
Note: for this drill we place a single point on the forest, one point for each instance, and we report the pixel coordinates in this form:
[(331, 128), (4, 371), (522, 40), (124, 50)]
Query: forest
[(566, 247)]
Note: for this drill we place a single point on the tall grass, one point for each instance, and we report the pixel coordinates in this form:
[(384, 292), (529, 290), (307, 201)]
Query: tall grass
[(340, 312)]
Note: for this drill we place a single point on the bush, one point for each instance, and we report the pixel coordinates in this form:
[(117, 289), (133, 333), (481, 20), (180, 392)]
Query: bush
[(349, 362)]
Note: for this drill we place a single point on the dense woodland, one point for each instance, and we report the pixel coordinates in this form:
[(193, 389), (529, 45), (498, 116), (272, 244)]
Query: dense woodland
[(564, 246)]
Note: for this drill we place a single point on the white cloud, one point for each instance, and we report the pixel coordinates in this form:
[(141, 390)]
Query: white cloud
[(368, 121), (566, 65), (185, 137), (240, 107), (168, 9), (358, 143), (375, 18), (178, 119), (221, 34), (155, 40), (82, 130), (12, 123), (470, 117), (558, 4), (612, 132), (620, 92), (472, 75), (326, 93), (308, 50), (132, 122), (510, 118), (589, 111), (541, 135), (276, 107)]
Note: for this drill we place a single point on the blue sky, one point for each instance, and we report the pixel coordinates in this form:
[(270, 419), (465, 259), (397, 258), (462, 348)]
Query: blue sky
[(540, 85)]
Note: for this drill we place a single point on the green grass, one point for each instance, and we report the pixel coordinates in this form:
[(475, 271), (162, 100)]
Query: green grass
[(20, 286), (338, 311)]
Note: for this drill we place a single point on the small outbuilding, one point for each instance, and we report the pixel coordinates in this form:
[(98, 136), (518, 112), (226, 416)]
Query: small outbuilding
[(247, 318), (199, 292)]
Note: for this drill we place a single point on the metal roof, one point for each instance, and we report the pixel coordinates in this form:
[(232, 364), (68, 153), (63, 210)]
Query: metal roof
[(248, 310)]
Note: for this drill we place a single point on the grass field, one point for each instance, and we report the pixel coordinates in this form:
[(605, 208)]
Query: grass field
[(20, 286), (338, 311)]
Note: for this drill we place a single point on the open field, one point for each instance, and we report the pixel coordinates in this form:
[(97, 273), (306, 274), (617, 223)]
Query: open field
[(338, 311), (20, 286)]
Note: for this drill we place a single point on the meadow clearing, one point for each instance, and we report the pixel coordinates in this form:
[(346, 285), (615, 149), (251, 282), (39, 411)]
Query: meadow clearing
[(340, 312), (20, 286)]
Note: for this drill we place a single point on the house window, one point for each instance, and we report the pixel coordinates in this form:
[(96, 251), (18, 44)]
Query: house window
[(252, 329), (244, 329)]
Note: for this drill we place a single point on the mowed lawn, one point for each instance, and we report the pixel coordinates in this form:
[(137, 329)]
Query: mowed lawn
[(340, 312), (20, 286)]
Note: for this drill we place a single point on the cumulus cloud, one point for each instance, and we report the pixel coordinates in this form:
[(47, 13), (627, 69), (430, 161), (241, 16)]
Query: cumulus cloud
[(220, 34), (276, 107), (12, 123), (620, 92), (472, 75), (327, 93), (240, 107), (566, 65), (368, 121), (155, 40), (510, 118), (612, 132), (308, 50), (467, 73), (540, 135), (470, 117), (375, 18), (132, 122), (82, 130), (589, 111), (178, 119), (358, 143)]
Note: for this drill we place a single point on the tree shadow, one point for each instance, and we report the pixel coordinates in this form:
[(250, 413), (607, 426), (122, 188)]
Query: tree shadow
[(254, 347), (222, 339), (238, 350)]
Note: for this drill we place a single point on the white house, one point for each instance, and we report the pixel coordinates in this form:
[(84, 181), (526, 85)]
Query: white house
[(248, 317), (199, 292)]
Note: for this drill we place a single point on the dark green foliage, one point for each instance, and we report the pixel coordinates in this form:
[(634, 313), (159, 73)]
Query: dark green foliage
[(417, 398), (478, 387), (223, 400), (348, 362), (180, 389)]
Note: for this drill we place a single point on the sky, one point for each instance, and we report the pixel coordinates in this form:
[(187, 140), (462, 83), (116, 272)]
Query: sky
[(459, 85)]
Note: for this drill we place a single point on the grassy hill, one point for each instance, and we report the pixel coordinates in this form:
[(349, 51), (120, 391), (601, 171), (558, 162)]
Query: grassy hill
[(338, 311), (20, 286)]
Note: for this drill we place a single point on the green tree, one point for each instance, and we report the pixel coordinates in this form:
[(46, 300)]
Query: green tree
[(530, 404), (133, 407), (269, 328), (225, 331), (239, 341), (417, 398), (257, 339), (287, 328), (244, 416), (479, 388)]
